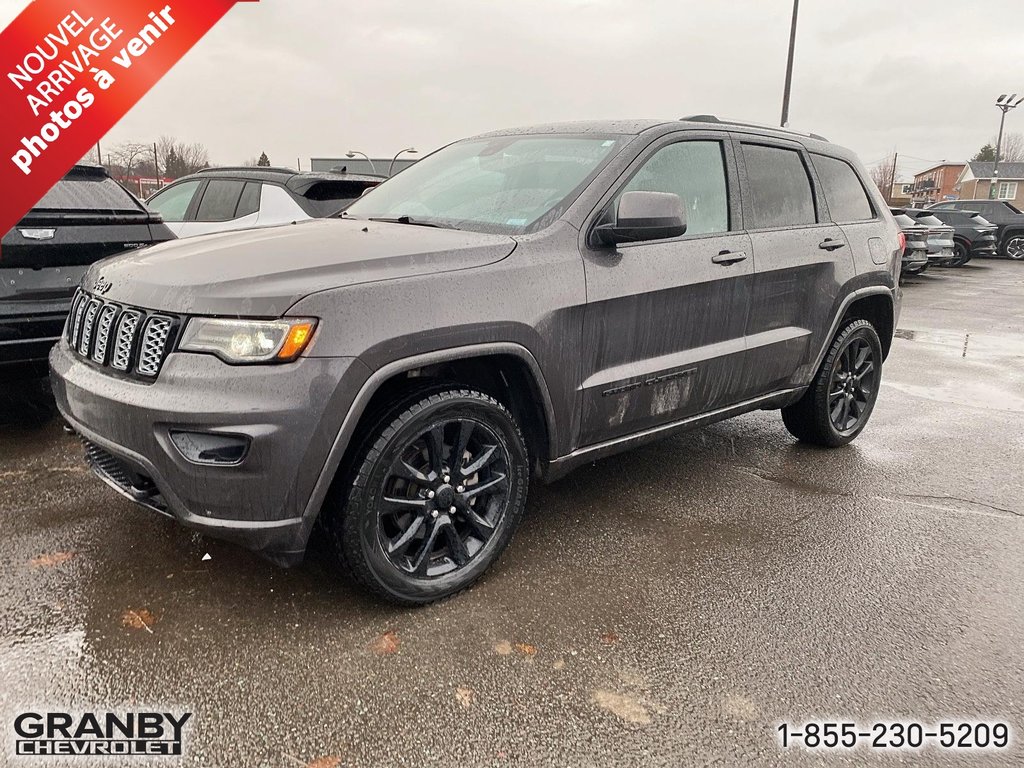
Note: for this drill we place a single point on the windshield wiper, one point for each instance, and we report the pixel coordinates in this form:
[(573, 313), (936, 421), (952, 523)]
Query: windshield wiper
[(411, 220)]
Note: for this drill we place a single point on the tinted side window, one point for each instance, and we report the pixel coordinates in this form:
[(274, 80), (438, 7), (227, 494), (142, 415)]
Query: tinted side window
[(844, 193), (250, 200), (220, 200), (329, 197), (694, 170), (172, 203), (778, 186)]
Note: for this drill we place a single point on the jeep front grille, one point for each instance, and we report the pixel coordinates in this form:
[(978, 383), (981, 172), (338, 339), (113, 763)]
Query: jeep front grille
[(127, 339)]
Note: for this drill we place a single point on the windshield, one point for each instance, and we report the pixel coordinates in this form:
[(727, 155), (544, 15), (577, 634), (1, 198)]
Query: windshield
[(507, 185)]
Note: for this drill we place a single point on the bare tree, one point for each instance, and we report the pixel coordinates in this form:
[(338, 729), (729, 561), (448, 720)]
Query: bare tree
[(180, 159), (883, 176), (1012, 148), (125, 159)]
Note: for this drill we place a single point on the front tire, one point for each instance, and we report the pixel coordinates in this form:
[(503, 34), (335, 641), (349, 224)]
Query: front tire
[(435, 496), (1013, 248), (839, 402)]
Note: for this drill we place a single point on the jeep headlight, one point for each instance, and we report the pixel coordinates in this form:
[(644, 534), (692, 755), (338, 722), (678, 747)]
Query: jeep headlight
[(248, 341)]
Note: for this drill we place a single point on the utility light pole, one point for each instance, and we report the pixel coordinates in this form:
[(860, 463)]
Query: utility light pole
[(1005, 104), (391, 167), (789, 65), (352, 153)]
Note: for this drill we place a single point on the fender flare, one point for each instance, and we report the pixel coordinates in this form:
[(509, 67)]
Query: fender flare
[(848, 300), (402, 365)]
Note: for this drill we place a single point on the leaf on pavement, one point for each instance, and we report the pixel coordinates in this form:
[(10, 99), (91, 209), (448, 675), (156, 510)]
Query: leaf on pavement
[(609, 638), (386, 644), (139, 618), (328, 761), (526, 649), (50, 559), (465, 696)]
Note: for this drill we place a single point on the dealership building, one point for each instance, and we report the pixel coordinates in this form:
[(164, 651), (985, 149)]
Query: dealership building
[(375, 165)]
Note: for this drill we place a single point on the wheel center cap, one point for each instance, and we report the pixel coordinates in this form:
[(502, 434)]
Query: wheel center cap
[(445, 496)]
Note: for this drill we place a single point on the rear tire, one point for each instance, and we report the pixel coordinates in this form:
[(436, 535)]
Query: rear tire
[(961, 254), (839, 402), (433, 497)]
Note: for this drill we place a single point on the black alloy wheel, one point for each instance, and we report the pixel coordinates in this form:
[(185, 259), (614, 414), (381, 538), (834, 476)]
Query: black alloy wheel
[(840, 399), (433, 497), (443, 497), (853, 386)]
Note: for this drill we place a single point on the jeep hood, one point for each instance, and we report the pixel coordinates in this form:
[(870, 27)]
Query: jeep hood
[(263, 272)]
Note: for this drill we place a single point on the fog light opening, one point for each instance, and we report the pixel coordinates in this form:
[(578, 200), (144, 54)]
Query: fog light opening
[(210, 448)]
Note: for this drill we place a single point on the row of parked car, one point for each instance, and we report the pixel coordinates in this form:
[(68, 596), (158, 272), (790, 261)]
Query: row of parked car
[(951, 233), (88, 216)]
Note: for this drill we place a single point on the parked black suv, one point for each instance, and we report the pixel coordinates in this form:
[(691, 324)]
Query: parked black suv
[(85, 217), (1008, 219), (973, 235), (512, 306)]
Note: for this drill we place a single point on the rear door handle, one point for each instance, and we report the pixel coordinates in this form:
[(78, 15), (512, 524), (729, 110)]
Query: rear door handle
[(828, 244), (726, 258)]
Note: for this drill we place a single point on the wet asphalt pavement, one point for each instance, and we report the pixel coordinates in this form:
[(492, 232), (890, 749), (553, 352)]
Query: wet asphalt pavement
[(670, 606)]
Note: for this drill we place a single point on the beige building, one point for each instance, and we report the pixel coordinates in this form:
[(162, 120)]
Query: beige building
[(899, 196), (975, 182)]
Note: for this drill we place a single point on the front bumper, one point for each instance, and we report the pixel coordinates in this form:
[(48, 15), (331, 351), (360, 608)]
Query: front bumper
[(291, 414)]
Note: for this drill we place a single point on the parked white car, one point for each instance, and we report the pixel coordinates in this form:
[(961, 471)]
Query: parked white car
[(223, 199)]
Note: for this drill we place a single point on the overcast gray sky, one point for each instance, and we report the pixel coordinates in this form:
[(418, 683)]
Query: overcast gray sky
[(302, 78)]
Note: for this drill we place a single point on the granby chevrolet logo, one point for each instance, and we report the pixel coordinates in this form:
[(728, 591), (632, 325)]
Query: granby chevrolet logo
[(102, 285), (107, 733)]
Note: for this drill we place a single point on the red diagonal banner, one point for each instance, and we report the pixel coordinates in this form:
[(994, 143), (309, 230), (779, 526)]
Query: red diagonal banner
[(71, 69)]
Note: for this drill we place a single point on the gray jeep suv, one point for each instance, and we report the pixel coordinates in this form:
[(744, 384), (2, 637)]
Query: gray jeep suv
[(510, 307)]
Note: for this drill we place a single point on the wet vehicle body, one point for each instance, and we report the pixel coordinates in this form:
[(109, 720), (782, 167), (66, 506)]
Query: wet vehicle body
[(1009, 222), (514, 305), (915, 250), (84, 218), (973, 235)]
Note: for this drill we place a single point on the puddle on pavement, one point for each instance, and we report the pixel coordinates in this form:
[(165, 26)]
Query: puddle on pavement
[(983, 346)]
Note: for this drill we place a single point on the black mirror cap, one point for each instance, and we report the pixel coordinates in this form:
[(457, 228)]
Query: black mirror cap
[(642, 215)]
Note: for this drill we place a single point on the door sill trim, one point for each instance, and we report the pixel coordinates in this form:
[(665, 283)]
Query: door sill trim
[(564, 464)]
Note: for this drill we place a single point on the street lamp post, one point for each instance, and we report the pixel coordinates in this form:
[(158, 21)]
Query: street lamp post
[(352, 153), (789, 64), (391, 167), (1005, 104)]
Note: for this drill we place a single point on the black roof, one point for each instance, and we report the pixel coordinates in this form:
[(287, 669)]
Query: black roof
[(288, 176)]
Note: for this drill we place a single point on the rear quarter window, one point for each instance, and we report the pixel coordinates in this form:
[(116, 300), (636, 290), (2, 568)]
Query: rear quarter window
[(329, 197), (844, 193)]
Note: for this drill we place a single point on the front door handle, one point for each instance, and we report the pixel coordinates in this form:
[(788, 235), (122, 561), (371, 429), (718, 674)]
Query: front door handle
[(828, 244), (729, 257)]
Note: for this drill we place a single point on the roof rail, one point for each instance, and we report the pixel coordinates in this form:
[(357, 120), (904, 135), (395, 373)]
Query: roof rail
[(257, 168), (716, 119)]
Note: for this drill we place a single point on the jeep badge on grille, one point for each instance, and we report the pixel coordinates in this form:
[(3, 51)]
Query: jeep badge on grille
[(102, 285)]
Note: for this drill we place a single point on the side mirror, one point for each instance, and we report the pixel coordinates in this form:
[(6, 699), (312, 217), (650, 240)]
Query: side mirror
[(644, 216)]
